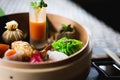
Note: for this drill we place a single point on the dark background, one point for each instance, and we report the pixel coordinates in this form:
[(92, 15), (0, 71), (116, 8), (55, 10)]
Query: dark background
[(106, 10)]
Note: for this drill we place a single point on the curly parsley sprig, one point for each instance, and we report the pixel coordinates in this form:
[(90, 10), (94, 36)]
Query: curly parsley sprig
[(40, 4), (66, 28)]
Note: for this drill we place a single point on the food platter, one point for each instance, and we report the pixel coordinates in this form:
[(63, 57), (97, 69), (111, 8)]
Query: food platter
[(50, 69)]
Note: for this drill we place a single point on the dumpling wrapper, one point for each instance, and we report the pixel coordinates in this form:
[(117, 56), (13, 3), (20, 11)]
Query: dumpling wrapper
[(56, 56)]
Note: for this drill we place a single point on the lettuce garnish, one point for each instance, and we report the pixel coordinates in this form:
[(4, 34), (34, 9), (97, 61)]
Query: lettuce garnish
[(40, 4), (67, 46)]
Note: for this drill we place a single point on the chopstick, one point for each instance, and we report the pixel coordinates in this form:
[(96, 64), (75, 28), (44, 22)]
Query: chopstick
[(113, 56)]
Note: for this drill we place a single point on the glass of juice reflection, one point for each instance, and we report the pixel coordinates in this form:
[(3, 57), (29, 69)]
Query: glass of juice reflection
[(38, 26)]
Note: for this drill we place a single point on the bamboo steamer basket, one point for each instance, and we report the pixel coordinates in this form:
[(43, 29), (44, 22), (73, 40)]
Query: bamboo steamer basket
[(76, 67)]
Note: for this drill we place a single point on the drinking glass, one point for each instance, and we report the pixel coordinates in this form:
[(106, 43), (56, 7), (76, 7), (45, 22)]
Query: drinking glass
[(37, 23)]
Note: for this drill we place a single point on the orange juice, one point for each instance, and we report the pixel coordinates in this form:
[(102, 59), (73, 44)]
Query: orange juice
[(37, 30), (38, 27)]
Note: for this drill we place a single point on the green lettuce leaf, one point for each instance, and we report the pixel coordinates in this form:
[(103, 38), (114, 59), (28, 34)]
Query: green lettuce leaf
[(67, 46), (2, 13)]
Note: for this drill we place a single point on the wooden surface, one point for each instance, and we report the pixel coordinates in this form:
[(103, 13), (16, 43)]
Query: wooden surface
[(102, 36)]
